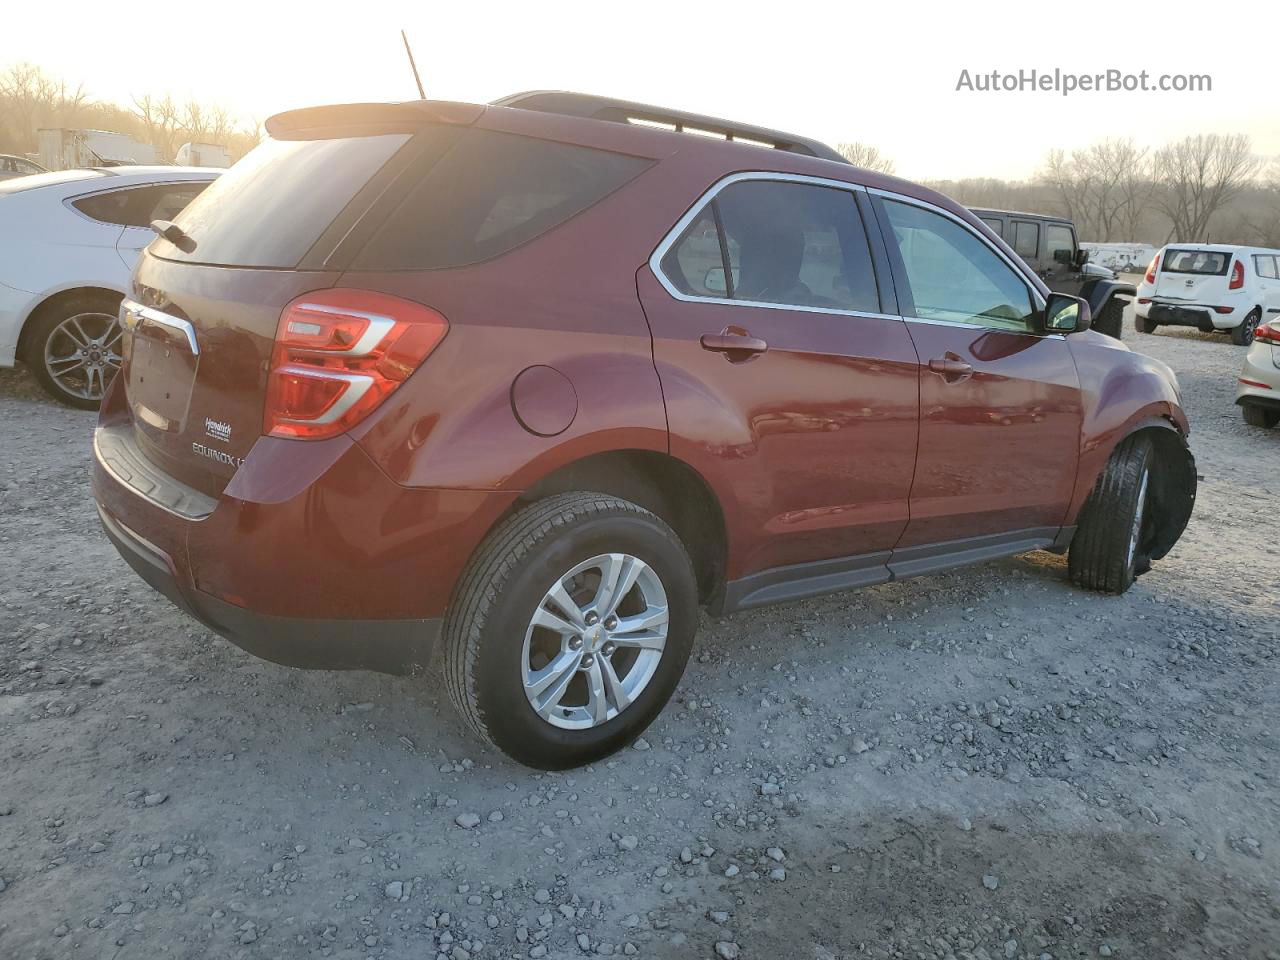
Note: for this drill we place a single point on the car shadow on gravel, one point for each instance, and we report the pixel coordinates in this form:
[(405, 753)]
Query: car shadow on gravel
[(905, 880)]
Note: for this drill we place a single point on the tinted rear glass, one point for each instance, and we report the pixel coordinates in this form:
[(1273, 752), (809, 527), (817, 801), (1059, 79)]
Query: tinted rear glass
[(1208, 262), (268, 209), (490, 193)]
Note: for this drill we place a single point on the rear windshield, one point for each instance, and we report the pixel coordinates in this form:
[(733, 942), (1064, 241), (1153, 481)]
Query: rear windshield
[(268, 209), (489, 194), (1208, 262)]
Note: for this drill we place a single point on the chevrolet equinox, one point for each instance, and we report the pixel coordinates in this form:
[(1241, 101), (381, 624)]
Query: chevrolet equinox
[(533, 382)]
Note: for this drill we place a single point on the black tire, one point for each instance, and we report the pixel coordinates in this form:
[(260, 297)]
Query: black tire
[(44, 337), (1256, 416), (1111, 319), (1108, 550), (1144, 324), (1242, 333), (503, 586)]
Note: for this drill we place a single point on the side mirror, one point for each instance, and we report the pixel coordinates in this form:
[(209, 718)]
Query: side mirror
[(1064, 313), (1081, 258), (713, 282)]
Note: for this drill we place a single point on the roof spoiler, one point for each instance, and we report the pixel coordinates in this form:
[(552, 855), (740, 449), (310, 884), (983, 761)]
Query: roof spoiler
[(624, 111), (368, 119)]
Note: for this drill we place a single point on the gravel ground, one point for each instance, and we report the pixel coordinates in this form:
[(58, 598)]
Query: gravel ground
[(982, 764)]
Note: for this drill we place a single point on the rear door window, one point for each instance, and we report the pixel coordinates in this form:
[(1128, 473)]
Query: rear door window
[(489, 194), (1208, 262), (271, 207), (790, 244)]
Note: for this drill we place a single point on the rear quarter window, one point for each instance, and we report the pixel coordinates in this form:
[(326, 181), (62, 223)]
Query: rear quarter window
[(490, 193)]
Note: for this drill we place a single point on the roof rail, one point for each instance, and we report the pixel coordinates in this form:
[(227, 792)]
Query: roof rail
[(624, 111)]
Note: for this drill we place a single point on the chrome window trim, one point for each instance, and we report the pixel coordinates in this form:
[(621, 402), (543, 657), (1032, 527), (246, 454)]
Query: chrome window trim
[(674, 234), (131, 312)]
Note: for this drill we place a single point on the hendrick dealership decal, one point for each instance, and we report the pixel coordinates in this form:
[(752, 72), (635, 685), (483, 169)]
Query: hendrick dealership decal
[(218, 456), (217, 429)]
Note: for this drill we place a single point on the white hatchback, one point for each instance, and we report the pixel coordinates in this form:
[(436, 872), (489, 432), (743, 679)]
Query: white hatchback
[(68, 242), (1210, 286)]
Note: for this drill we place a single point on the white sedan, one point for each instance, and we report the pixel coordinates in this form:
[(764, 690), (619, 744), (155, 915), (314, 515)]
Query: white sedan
[(1258, 392), (68, 242)]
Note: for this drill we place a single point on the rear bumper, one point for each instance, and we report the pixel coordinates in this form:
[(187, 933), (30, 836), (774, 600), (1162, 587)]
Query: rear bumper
[(388, 646), (1261, 366), (310, 557), (1201, 317)]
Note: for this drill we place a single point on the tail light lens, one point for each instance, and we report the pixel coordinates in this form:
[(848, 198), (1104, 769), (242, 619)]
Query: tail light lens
[(1152, 268), (339, 354), (1268, 333), (1237, 276)]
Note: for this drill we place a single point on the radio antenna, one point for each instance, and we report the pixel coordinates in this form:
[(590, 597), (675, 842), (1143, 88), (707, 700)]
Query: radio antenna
[(416, 79)]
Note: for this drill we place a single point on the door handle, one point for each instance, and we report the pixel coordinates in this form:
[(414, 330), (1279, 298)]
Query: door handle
[(731, 343), (951, 368)]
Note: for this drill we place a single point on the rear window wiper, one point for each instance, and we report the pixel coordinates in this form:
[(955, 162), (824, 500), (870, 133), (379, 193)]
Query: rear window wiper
[(174, 234)]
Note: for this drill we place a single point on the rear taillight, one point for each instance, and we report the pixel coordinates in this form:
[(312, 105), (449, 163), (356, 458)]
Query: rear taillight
[(1268, 333), (340, 353), (1151, 270), (1237, 276)]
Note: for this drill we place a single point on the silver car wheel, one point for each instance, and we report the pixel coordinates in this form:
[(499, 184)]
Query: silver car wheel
[(594, 642), (1139, 514), (82, 354)]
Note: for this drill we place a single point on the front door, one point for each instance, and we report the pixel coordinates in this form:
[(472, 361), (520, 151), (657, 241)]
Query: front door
[(1000, 406), (786, 385), (1061, 272)]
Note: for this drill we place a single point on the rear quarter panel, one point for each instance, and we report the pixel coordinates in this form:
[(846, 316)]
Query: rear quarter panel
[(1122, 391)]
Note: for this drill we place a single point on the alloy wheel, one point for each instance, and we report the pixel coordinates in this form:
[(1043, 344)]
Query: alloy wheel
[(594, 642), (82, 354)]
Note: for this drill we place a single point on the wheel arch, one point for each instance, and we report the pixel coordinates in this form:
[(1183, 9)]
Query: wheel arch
[(52, 301), (662, 484)]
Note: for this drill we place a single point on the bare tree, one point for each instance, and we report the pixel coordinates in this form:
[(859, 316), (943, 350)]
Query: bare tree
[(1198, 176), (866, 156), (160, 124), (1104, 188)]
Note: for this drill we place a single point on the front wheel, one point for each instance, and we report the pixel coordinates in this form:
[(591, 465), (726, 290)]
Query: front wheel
[(570, 629), (1108, 549), (1242, 335)]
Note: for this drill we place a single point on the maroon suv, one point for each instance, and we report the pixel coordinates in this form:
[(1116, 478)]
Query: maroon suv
[(535, 381)]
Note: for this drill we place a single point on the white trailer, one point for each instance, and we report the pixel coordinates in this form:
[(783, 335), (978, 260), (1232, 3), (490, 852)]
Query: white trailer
[(1121, 257), (65, 148), (202, 155)]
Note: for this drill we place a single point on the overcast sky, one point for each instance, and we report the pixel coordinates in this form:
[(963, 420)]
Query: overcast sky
[(883, 73)]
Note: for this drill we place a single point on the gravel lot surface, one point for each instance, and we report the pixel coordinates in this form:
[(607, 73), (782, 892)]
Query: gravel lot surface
[(985, 764)]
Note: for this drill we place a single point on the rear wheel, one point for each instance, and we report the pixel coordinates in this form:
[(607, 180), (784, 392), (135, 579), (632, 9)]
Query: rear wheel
[(570, 629), (1107, 552), (73, 348), (1242, 335), (1144, 324), (1110, 319), (1256, 416)]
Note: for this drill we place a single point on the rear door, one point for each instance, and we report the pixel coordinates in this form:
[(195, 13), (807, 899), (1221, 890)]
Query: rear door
[(1024, 237), (787, 383), (1267, 269), (1000, 406)]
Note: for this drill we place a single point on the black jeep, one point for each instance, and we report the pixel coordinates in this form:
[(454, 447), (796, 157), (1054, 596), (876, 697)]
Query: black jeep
[(1048, 244)]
